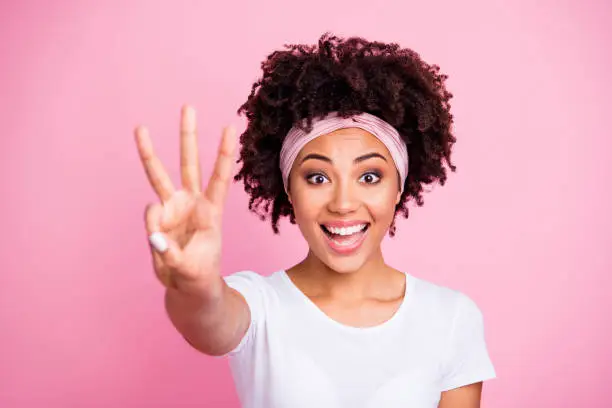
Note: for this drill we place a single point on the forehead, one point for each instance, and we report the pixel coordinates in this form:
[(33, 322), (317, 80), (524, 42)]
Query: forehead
[(350, 141)]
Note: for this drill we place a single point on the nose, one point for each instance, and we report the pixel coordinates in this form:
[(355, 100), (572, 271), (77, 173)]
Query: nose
[(344, 199)]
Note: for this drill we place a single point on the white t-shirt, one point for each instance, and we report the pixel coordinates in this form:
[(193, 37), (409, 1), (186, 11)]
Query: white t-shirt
[(295, 356)]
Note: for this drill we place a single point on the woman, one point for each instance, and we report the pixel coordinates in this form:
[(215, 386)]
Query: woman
[(340, 137)]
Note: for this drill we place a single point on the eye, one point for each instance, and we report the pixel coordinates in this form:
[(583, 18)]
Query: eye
[(317, 178), (370, 178)]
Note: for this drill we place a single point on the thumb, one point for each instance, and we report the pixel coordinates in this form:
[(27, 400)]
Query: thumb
[(167, 249)]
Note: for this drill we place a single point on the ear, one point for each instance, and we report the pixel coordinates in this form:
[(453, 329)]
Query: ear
[(398, 198)]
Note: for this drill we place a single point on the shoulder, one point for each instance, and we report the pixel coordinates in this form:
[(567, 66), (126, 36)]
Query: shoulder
[(465, 359), (443, 300), (256, 288), (252, 279)]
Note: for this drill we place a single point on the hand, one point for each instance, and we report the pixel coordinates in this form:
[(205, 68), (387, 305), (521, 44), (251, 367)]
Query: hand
[(185, 227)]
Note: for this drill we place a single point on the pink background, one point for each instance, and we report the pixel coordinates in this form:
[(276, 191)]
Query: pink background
[(523, 227)]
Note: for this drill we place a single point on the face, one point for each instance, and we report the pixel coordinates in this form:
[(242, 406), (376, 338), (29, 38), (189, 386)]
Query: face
[(344, 188)]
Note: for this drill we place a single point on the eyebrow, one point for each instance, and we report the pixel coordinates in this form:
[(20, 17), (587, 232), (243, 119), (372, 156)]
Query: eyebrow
[(316, 156)]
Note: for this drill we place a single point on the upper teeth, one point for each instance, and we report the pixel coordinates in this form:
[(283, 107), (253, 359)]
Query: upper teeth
[(346, 230)]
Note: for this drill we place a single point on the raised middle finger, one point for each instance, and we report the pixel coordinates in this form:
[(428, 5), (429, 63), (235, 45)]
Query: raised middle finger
[(190, 163)]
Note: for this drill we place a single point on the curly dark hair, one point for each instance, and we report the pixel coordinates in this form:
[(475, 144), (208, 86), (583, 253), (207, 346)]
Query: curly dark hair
[(349, 76)]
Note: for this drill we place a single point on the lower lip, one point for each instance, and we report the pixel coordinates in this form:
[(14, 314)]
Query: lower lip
[(347, 248)]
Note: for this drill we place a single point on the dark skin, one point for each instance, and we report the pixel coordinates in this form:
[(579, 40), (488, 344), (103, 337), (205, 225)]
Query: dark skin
[(350, 175), (468, 396), (359, 290), (304, 82), (347, 76)]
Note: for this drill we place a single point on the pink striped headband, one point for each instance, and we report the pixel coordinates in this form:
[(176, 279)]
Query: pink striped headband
[(296, 139)]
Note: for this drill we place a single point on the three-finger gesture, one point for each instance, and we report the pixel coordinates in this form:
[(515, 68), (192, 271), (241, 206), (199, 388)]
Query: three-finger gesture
[(184, 228)]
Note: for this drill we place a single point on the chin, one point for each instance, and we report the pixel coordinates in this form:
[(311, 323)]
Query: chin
[(344, 265)]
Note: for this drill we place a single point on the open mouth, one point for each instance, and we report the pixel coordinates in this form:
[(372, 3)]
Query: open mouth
[(341, 232), (345, 240)]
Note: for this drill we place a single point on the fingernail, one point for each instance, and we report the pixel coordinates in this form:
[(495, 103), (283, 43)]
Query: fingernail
[(158, 242)]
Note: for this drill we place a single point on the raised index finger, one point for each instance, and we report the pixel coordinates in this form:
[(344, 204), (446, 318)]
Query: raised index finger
[(219, 182), (157, 175)]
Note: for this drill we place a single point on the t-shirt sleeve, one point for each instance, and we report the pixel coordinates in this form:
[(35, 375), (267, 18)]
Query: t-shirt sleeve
[(468, 359), (251, 286)]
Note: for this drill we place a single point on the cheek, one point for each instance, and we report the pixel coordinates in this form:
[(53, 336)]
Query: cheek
[(306, 216), (381, 206), (306, 206)]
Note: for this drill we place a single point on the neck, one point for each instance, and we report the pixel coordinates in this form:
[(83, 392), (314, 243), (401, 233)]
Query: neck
[(372, 279)]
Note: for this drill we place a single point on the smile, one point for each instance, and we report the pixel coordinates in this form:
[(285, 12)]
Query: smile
[(345, 239)]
